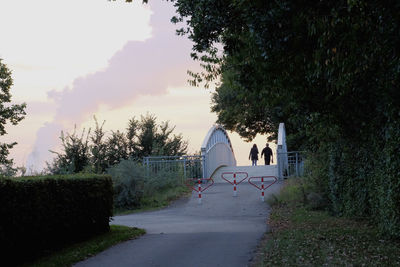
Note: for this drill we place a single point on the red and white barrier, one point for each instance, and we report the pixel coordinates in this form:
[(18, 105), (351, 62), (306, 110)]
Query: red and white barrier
[(235, 182), (199, 189), (262, 187), (234, 185)]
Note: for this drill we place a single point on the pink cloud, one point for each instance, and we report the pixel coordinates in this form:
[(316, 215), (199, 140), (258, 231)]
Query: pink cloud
[(139, 68)]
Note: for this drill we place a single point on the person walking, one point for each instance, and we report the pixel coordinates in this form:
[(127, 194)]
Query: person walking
[(253, 156), (267, 152)]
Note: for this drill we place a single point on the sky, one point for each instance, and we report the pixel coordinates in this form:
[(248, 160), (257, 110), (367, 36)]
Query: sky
[(72, 60)]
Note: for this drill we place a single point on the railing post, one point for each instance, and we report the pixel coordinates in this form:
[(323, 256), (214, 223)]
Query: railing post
[(184, 167), (297, 165), (280, 163), (204, 164)]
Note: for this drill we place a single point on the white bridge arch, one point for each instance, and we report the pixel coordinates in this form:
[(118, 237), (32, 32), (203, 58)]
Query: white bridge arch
[(217, 156), (216, 151)]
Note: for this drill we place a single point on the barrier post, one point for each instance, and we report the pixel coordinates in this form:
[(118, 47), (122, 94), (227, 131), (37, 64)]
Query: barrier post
[(234, 185), (199, 183), (262, 189)]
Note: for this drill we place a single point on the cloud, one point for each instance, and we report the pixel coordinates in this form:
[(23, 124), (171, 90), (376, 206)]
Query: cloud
[(40, 108), (140, 68), (47, 43), (47, 137)]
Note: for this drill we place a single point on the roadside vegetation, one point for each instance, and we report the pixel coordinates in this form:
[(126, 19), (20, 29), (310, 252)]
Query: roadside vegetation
[(330, 70), (115, 154), (83, 250), (137, 188), (98, 150), (120, 154), (303, 233)]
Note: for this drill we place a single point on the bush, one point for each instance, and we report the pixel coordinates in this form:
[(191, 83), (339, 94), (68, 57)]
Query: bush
[(41, 213), (133, 183), (128, 180), (299, 192)]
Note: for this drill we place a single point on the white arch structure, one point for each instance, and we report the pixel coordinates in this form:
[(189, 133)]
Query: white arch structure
[(217, 151)]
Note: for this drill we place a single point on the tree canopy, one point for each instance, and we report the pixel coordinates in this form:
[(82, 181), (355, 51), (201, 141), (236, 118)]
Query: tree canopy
[(330, 70), (9, 113), (306, 63)]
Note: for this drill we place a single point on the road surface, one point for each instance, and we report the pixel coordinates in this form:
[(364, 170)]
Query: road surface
[(222, 231)]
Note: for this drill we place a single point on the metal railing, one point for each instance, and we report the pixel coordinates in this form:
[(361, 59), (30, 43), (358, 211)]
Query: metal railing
[(191, 166), (295, 163)]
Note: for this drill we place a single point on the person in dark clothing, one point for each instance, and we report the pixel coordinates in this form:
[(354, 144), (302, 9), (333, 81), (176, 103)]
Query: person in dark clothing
[(267, 152), (254, 155)]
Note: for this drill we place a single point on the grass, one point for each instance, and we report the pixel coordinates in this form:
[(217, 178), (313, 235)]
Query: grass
[(83, 250), (303, 237), (158, 200)]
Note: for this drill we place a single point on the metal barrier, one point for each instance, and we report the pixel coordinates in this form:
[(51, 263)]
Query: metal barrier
[(295, 164), (199, 189), (262, 187), (234, 182)]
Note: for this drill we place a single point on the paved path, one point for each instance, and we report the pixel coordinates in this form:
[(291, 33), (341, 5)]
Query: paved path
[(222, 231)]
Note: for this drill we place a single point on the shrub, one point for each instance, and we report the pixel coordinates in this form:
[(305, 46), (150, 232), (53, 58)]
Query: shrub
[(133, 182), (39, 213), (128, 180)]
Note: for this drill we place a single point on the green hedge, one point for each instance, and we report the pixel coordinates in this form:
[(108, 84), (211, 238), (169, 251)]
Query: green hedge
[(361, 178), (41, 213)]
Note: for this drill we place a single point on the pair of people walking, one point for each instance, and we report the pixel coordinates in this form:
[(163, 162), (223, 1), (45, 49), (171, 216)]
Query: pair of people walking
[(266, 152)]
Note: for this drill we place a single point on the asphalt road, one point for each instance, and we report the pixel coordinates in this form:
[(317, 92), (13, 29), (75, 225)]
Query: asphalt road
[(222, 231)]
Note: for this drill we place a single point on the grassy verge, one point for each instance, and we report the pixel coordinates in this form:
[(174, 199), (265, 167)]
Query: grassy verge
[(83, 250), (303, 237), (158, 200)]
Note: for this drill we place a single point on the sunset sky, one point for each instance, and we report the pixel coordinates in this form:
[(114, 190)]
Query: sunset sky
[(71, 60)]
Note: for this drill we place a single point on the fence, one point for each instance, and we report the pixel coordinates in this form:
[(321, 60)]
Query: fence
[(191, 166), (295, 163)]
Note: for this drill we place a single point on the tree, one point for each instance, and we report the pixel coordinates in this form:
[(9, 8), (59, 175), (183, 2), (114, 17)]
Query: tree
[(146, 135), (164, 144), (302, 62), (330, 70), (116, 148), (96, 152), (132, 130), (12, 113), (98, 148), (147, 138), (75, 156)]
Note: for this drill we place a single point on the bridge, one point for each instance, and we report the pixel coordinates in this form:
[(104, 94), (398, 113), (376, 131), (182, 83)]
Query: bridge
[(217, 156)]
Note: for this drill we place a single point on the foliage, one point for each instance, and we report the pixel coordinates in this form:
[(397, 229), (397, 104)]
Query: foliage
[(116, 148), (135, 186), (9, 113), (96, 152), (83, 250), (152, 139), (75, 156), (330, 70), (98, 148), (128, 181), (39, 213)]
